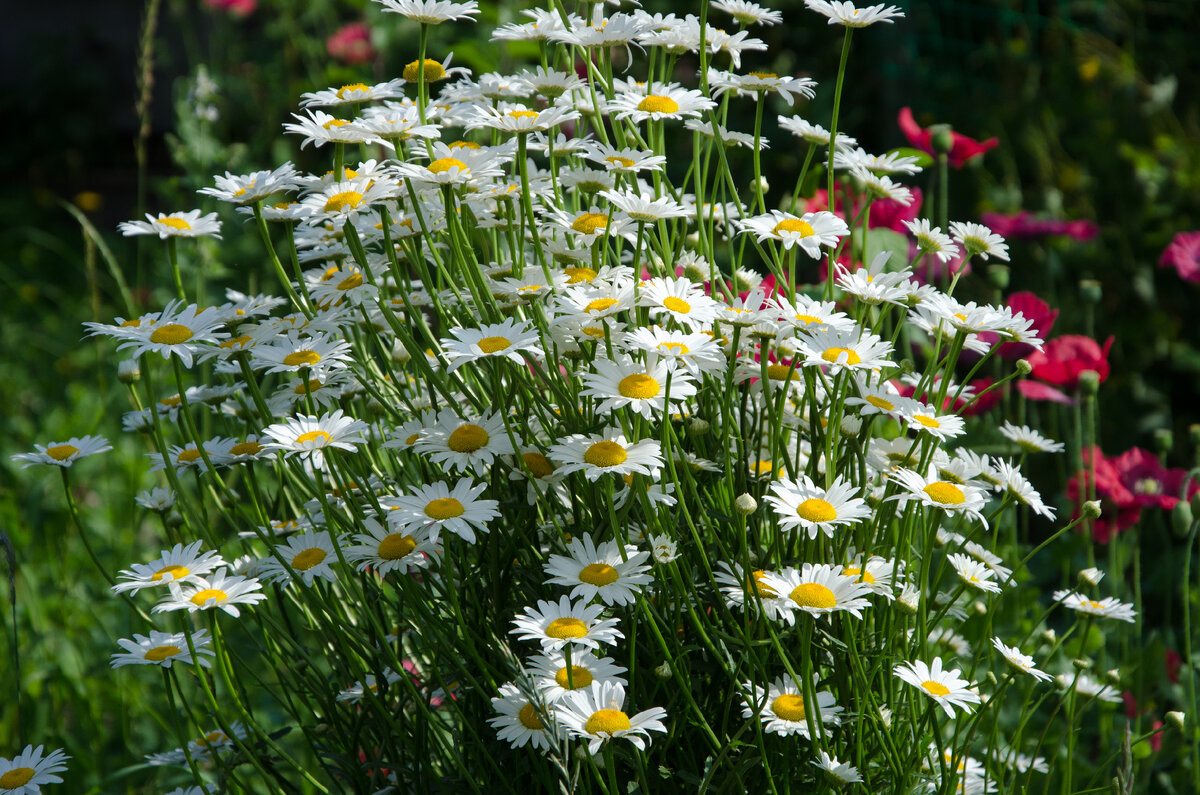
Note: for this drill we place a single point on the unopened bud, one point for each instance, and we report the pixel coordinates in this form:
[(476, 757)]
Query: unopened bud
[(991, 679), (1181, 518), (1091, 290), (909, 601), (907, 366), (1175, 720), (400, 354), (698, 427), (174, 519), (1091, 577), (998, 275), (129, 371), (763, 185), (1091, 509), (663, 671), (1089, 382), (745, 504), (695, 274), (979, 608), (851, 426), (1049, 636), (1081, 664), (1113, 676), (1164, 440), (1024, 367), (885, 717), (941, 140)]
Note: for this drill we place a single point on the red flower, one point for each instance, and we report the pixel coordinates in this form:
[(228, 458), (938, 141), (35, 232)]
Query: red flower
[(1023, 224), (1150, 483), (1184, 256), (1059, 365), (237, 8), (1119, 508), (351, 44), (962, 148)]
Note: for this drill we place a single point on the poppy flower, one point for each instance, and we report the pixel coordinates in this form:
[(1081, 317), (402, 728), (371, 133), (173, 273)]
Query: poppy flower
[(1184, 256), (962, 148), (1059, 364), (1023, 224)]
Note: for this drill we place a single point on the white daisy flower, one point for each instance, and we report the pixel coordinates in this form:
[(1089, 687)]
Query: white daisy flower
[(979, 241), (758, 84), (27, 771), (657, 101), (931, 239), (808, 314), (814, 133), (1109, 607), (556, 625), (881, 399), (460, 444), (554, 679), (626, 160), (810, 231), (218, 591), (858, 159), (597, 715), (604, 453), (837, 350), (159, 500), (184, 331), (308, 437), (352, 93), (1016, 484), (309, 554), (1086, 685), (457, 166), (640, 387), (940, 494), (64, 454), (436, 507), (319, 128), (973, 573), (162, 648), (875, 572), (384, 550), (940, 426), (1019, 661), (507, 339), (782, 708), (841, 773), (840, 13), (811, 508), (644, 209), (944, 687), (178, 564), (370, 684), (518, 118), (747, 13), (320, 356), (818, 590), (601, 571), (697, 353), (250, 188), (663, 548), (1029, 440), (740, 589), (678, 299), (523, 721), (181, 224)]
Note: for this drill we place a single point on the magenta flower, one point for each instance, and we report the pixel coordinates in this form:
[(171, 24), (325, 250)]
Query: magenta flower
[(1184, 256)]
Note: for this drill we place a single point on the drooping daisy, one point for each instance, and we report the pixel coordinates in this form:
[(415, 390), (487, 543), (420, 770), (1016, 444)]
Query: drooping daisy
[(640, 387), (940, 494), (814, 133), (842, 13), (973, 573), (183, 331), (657, 101), (740, 589), (1109, 607), (607, 453), (64, 454), (782, 708), (523, 720), (507, 339), (189, 224), (159, 500), (320, 128), (597, 715), (747, 13), (944, 687), (383, 549), (852, 350), (840, 773), (308, 437), (464, 444), (1018, 486), (369, 684), (218, 591), (979, 241), (1019, 661), (556, 625), (178, 564), (1029, 440), (162, 648), (811, 508), (27, 771), (310, 556), (932, 240), (436, 507), (593, 570), (809, 231), (817, 589), (554, 679), (1087, 686)]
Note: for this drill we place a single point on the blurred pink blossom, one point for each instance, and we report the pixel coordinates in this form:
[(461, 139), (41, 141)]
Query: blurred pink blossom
[(237, 8), (351, 44), (1184, 256)]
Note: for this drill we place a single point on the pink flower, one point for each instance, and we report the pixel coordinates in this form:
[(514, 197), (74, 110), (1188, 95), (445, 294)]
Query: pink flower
[(1150, 483), (237, 8), (962, 148), (1032, 308), (1059, 365), (1023, 224), (1184, 256), (1173, 662), (351, 44), (1119, 509)]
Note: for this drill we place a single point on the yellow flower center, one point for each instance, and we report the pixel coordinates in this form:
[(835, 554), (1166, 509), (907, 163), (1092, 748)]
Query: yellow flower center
[(431, 69), (349, 88), (675, 348), (598, 574), (523, 114), (308, 558), (444, 508), (237, 342), (945, 493), (863, 576), (580, 274), (600, 304), (61, 452), (188, 456), (446, 163), (607, 721), (200, 598), (831, 355), (350, 282), (755, 582), (564, 628), (935, 688), (464, 145), (493, 344), (171, 334), (1092, 603), (574, 679), (346, 200), (467, 438), (320, 437), (789, 706), (880, 403), (329, 125), (396, 546), (764, 75), (927, 421), (677, 305), (313, 385), (302, 359), (17, 777), (529, 718), (816, 510), (160, 653), (811, 594), (638, 386), (175, 570), (619, 162), (656, 103), (174, 223), (808, 320), (795, 226), (605, 454), (779, 372), (245, 448), (588, 223), (538, 465)]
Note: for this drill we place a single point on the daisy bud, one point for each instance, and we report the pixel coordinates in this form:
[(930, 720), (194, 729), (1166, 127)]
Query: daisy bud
[(1081, 664), (909, 601), (851, 426), (1181, 518), (663, 671), (174, 519), (1089, 382), (1024, 367), (1113, 676), (694, 274), (991, 679), (885, 717), (745, 504), (979, 607), (400, 354), (907, 366), (1091, 577), (698, 427), (1062, 682), (1049, 637), (763, 184), (1090, 290), (129, 371), (1175, 720), (693, 239), (1091, 509), (998, 276), (1164, 440)]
